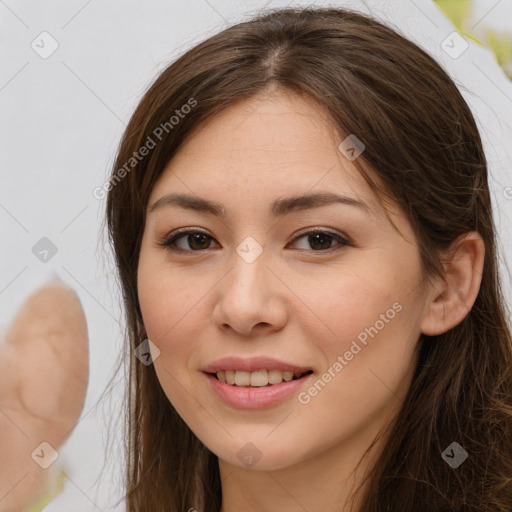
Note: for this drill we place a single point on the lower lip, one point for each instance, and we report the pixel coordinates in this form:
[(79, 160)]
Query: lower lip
[(243, 397)]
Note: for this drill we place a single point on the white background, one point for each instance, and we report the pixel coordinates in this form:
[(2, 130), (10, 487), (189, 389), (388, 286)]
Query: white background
[(60, 124)]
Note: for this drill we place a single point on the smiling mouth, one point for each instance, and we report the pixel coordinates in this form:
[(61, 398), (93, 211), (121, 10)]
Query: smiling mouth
[(258, 379)]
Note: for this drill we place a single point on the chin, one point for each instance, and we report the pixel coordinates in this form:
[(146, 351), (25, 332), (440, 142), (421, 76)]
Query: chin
[(260, 455)]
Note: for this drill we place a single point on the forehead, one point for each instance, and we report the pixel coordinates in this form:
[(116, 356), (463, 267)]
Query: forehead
[(279, 126), (265, 147)]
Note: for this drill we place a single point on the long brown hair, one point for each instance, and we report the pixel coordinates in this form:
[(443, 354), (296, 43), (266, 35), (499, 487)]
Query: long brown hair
[(422, 142)]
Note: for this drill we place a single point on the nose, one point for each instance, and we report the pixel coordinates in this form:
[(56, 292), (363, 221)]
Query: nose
[(251, 299)]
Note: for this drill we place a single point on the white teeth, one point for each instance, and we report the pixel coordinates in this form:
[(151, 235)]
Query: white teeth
[(275, 376), (287, 376), (259, 378), (242, 378)]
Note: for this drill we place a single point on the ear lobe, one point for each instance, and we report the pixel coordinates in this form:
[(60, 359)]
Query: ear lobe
[(449, 301)]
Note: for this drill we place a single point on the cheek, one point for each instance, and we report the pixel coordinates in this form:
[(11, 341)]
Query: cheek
[(156, 305), (164, 296), (169, 327), (344, 307), (174, 318), (164, 308), (367, 325)]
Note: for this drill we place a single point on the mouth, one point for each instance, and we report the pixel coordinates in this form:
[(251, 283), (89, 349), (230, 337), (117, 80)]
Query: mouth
[(257, 379)]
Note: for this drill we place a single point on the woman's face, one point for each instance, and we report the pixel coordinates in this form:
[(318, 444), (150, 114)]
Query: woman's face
[(256, 284)]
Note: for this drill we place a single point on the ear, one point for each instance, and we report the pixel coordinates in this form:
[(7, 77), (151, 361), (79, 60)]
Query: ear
[(450, 300)]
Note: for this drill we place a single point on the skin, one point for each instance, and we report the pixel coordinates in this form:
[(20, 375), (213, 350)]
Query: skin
[(44, 371), (296, 302)]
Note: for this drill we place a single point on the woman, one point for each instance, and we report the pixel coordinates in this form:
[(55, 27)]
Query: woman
[(388, 347)]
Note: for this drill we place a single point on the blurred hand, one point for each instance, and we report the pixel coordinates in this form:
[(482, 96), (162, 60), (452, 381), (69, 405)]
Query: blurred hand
[(44, 372)]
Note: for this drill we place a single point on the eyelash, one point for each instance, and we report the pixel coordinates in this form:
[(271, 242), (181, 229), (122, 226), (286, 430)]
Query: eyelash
[(169, 242)]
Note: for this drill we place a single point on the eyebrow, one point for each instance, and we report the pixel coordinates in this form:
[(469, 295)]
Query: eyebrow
[(279, 207)]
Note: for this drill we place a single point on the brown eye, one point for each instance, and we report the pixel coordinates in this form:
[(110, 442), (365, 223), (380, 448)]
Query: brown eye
[(194, 241), (321, 241), (198, 241)]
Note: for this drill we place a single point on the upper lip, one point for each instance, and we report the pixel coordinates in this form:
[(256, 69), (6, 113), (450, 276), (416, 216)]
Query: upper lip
[(252, 364)]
